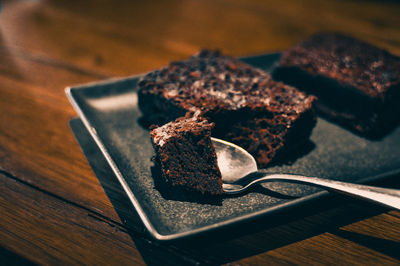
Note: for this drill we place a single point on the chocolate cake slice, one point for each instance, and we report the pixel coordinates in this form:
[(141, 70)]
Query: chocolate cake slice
[(186, 155), (248, 108), (357, 84)]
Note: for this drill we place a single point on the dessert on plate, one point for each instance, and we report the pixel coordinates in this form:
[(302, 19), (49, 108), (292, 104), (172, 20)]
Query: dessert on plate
[(248, 108), (357, 84), (186, 155)]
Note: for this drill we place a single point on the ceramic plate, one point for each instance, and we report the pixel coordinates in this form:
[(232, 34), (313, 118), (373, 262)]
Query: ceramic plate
[(110, 113)]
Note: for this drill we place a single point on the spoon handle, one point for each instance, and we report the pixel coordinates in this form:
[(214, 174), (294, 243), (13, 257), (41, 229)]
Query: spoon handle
[(383, 196)]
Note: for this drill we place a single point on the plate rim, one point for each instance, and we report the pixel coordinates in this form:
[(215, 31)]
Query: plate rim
[(142, 214)]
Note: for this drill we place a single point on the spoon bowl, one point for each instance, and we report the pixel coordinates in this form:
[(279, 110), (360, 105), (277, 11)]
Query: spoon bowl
[(233, 161), (240, 172)]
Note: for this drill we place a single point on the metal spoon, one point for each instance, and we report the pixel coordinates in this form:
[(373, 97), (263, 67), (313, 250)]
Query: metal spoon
[(239, 173)]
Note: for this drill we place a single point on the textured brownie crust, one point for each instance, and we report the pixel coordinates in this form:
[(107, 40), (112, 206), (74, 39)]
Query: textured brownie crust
[(370, 69), (246, 105), (357, 84), (186, 155)]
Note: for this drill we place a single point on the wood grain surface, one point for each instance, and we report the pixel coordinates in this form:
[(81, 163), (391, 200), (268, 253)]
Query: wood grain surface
[(53, 207)]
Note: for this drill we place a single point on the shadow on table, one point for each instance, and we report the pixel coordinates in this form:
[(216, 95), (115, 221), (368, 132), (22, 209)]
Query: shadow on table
[(8, 257), (237, 241), (384, 246)]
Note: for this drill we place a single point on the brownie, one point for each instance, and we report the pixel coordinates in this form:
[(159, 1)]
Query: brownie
[(357, 84), (265, 117), (186, 155)]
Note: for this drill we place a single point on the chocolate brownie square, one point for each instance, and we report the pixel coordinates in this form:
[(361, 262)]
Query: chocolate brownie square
[(265, 117), (357, 84)]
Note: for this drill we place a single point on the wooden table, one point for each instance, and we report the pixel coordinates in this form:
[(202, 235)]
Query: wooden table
[(53, 208)]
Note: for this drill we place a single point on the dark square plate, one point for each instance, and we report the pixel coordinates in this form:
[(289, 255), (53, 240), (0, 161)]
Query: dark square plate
[(110, 113)]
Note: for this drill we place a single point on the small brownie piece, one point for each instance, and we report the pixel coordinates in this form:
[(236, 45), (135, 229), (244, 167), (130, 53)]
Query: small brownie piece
[(248, 108), (186, 155), (357, 84)]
